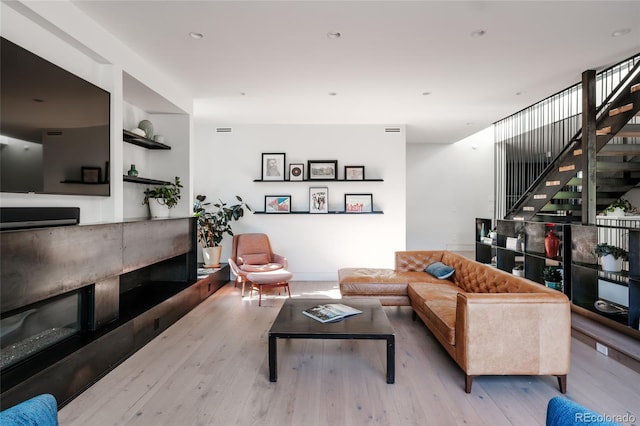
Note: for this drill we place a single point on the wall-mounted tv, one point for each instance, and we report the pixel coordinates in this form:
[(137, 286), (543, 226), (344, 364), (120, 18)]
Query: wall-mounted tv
[(54, 128)]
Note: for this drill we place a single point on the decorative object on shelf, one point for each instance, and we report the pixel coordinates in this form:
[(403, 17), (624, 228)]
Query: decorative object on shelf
[(212, 225), (277, 203), (162, 198), (483, 232), (319, 200), (618, 208), (609, 308), (493, 234), (358, 203), (147, 126), (612, 256), (520, 241), (518, 271), (512, 244), (552, 277), (322, 169), (296, 172), (132, 171), (551, 243), (273, 165), (138, 131), (90, 174), (158, 138), (353, 172)]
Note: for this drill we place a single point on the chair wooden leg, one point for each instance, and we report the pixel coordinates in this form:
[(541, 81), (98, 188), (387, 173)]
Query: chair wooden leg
[(259, 295), (468, 381), (288, 291), (562, 383)]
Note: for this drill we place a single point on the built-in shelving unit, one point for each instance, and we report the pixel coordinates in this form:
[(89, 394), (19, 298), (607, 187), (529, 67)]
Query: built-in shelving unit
[(142, 141), (320, 180), (147, 181), (320, 214)]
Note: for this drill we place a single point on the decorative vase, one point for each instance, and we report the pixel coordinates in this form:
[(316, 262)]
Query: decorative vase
[(554, 285), (483, 232), (518, 272), (611, 264), (157, 210), (132, 171), (211, 256), (551, 244), (617, 212)]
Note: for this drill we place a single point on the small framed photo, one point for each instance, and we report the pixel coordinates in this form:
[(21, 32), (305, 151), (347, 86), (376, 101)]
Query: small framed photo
[(91, 174), (353, 172), (273, 166), (323, 169), (277, 203), (358, 203), (319, 199), (296, 171)]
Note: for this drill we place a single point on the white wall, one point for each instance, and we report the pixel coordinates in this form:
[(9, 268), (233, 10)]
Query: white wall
[(447, 187), (226, 165)]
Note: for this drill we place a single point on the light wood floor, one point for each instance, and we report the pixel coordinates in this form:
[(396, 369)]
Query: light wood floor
[(211, 368)]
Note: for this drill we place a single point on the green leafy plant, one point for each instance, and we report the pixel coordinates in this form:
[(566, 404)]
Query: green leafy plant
[(552, 274), (620, 203), (212, 225), (518, 268), (167, 194), (603, 249)]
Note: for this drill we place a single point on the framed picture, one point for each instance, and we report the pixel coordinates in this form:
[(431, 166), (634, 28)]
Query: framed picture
[(277, 203), (353, 172), (323, 169), (358, 203), (319, 199), (91, 174), (273, 166), (296, 171)]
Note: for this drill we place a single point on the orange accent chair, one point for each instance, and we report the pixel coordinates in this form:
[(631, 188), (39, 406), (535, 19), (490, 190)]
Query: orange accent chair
[(251, 254)]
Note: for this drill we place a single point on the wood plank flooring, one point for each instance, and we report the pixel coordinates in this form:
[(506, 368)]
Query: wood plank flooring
[(211, 368)]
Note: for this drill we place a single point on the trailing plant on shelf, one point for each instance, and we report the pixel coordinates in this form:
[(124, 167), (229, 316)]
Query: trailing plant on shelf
[(603, 249), (620, 203), (167, 194), (212, 225)]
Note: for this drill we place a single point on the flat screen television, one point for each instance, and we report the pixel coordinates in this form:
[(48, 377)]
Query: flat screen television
[(54, 128)]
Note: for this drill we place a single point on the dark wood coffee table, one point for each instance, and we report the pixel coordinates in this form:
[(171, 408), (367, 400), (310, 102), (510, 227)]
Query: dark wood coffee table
[(371, 324)]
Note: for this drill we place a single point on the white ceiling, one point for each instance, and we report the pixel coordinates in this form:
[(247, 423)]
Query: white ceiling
[(272, 62)]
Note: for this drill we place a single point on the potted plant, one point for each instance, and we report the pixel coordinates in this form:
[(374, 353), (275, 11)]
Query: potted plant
[(212, 225), (612, 256), (162, 198), (618, 208), (552, 277)]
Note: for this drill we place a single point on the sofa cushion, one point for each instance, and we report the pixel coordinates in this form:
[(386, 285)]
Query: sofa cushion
[(437, 302), (440, 270)]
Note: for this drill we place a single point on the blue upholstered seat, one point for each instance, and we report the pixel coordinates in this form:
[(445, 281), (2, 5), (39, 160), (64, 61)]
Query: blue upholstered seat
[(564, 412), (41, 410)]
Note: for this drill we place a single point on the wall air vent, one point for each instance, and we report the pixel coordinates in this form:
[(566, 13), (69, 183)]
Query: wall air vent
[(54, 133), (392, 129), (223, 130)]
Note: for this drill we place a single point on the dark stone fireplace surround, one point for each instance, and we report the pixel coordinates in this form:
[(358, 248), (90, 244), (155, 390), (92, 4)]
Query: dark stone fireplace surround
[(134, 279)]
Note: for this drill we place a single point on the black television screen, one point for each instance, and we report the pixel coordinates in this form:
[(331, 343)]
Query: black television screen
[(54, 128)]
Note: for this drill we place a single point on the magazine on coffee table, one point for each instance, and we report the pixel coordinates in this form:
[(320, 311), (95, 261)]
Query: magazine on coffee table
[(330, 312)]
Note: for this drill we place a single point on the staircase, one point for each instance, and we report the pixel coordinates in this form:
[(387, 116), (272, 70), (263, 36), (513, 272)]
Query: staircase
[(558, 188)]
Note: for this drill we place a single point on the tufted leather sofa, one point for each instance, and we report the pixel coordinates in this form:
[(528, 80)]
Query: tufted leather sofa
[(489, 321)]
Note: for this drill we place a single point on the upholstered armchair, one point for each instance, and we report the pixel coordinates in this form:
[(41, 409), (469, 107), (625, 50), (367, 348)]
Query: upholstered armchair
[(252, 253)]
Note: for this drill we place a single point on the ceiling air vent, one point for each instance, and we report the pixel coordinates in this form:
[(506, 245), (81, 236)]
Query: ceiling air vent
[(392, 129), (223, 130)]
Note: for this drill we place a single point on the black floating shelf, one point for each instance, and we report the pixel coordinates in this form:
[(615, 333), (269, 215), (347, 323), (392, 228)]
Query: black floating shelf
[(320, 214), (134, 139), (84, 183), (136, 179), (319, 180)]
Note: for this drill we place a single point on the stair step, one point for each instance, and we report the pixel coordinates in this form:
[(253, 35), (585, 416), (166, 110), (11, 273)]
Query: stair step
[(619, 149), (567, 195), (603, 131), (567, 168), (629, 131), (577, 152), (635, 88), (620, 110), (575, 181), (553, 183), (608, 166)]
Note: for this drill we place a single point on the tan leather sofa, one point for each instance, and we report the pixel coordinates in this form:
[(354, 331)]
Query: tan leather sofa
[(489, 321)]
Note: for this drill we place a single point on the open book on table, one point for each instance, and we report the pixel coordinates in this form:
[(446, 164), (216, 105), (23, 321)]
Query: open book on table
[(330, 312)]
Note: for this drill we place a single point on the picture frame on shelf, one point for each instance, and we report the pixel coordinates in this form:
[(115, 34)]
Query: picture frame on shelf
[(277, 204), (273, 166), (318, 199), (91, 174), (322, 169), (353, 172), (296, 171), (358, 203)]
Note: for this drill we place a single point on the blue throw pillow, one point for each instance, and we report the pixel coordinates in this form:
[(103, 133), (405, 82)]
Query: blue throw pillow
[(440, 270)]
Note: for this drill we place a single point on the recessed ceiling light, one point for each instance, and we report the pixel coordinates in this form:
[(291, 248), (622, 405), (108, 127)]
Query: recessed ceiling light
[(620, 32), (38, 100), (334, 34), (332, 93), (477, 33), (426, 93), (518, 93), (243, 94), (195, 35)]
